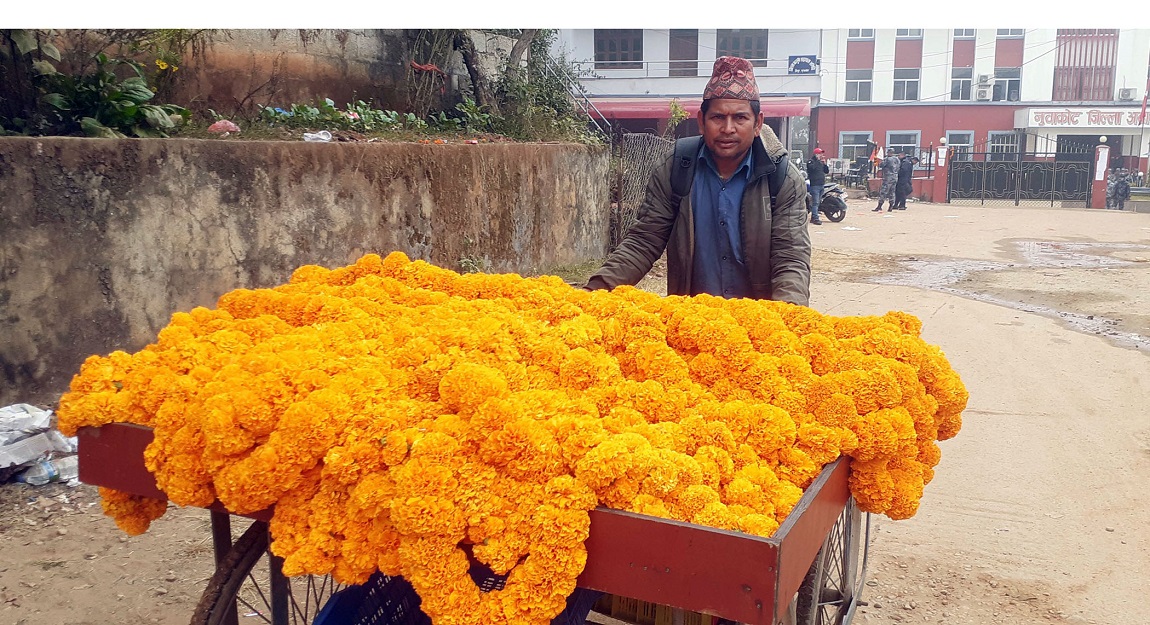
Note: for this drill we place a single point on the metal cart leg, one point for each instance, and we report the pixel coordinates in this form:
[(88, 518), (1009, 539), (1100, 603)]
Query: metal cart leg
[(280, 591), (221, 545)]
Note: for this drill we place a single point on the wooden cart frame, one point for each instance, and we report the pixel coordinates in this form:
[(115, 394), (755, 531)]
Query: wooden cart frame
[(732, 575)]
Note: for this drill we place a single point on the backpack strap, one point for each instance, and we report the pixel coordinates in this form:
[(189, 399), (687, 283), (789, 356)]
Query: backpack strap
[(683, 172), (777, 178)]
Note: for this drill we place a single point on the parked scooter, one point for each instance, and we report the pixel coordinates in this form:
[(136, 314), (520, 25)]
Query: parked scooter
[(832, 204)]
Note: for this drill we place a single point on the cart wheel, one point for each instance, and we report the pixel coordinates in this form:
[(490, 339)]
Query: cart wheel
[(249, 581), (828, 594)]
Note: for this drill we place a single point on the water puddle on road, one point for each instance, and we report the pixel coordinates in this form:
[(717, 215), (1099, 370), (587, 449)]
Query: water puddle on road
[(943, 275)]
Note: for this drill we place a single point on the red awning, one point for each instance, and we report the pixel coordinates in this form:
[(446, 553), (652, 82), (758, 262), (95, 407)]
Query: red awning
[(660, 108)]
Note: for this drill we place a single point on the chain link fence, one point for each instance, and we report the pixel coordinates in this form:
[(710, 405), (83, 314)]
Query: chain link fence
[(637, 155)]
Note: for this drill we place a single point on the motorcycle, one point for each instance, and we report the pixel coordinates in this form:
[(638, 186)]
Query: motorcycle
[(832, 204)]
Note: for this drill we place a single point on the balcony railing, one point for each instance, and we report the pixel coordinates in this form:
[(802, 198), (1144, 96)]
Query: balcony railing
[(591, 69)]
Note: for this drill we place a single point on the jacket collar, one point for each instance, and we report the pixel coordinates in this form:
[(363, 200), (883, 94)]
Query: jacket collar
[(764, 164)]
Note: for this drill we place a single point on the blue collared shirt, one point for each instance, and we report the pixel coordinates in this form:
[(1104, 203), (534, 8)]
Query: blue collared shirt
[(719, 266)]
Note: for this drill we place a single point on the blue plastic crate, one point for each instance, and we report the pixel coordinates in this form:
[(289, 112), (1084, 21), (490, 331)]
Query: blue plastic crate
[(381, 600)]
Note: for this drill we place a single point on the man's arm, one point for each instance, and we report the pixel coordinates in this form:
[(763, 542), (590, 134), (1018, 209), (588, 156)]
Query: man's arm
[(790, 243), (645, 240)]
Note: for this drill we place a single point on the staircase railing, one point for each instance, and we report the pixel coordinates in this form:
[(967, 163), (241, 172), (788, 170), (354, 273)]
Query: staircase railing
[(579, 95)]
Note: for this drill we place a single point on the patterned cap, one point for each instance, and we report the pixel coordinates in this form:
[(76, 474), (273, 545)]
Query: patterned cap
[(732, 78)]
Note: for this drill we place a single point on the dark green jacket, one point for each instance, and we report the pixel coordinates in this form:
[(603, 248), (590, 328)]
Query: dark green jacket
[(775, 242)]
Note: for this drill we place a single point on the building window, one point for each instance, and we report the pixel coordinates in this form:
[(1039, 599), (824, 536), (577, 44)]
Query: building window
[(618, 48), (1002, 146), (860, 33), (751, 44), (960, 82), (964, 33), (1007, 84), (961, 145), (902, 142), (908, 33), (1086, 64), (854, 145), (1011, 32), (906, 84), (858, 85)]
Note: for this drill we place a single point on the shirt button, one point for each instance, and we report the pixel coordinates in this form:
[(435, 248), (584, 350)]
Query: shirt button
[(722, 223), (724, 258)]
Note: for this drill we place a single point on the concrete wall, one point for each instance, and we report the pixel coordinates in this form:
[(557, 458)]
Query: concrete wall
[(102, 240), (238, 69)]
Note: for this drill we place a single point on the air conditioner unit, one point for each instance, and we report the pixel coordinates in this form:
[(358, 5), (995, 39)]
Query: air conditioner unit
[(984, 79), (982, 94), (1125, 94)]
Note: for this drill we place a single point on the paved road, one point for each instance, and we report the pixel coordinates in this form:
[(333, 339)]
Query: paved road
[(1038, 510)]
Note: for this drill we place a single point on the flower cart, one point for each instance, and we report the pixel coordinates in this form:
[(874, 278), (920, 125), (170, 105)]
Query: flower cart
[(405, 419), (808, 573)]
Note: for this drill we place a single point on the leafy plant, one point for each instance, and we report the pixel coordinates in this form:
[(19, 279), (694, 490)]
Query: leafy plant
[(26, 57), (101, 104), (105, 97), (678, 116), (359, 116), (474, 118), (471, 261), (440, 121)]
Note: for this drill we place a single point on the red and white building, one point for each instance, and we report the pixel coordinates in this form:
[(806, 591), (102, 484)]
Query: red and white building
[(1000, 91), (987, 94)]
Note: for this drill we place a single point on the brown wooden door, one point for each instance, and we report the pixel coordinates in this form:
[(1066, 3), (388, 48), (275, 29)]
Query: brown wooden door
[(684, 52)]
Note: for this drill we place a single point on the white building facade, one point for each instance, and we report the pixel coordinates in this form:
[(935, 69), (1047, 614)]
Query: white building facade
[(631, 75)]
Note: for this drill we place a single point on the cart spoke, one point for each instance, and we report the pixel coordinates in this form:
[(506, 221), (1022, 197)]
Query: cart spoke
[(259, 591), (254, 610)]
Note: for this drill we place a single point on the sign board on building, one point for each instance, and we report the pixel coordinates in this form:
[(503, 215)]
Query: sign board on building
[(803, 64), (1078, 118)]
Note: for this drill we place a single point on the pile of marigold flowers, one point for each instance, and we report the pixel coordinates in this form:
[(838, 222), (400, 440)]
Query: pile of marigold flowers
[(394, 412)]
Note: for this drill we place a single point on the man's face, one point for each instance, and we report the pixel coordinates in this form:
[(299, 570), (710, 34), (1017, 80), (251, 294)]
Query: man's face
[(729, 128)]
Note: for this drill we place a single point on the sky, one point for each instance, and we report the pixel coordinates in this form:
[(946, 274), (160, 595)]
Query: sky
[(585, 14)]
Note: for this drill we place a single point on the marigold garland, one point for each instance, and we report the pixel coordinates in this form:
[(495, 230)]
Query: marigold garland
[(393, 411)]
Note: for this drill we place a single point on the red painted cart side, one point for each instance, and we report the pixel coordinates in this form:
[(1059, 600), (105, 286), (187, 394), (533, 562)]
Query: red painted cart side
[(728, 574)]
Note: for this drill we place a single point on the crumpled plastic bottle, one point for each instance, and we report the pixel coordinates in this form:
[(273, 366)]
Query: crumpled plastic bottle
[(322, 135), (47, 470)]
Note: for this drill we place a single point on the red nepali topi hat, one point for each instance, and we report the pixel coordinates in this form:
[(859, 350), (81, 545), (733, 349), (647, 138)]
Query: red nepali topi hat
[(732, 78)]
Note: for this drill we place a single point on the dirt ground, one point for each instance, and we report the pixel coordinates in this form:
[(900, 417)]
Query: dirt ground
[(1038, 510)]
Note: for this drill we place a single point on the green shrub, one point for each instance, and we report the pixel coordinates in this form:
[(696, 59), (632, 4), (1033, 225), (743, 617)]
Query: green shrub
[(101, 104), (109, 98)]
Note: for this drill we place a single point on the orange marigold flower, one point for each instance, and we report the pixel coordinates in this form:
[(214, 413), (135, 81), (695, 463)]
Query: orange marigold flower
[(391, 409)]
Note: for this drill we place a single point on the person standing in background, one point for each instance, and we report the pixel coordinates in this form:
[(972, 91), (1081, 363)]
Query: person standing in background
[(889, 181), (904, 188), (817, 170)]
